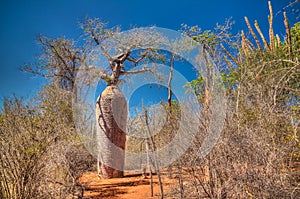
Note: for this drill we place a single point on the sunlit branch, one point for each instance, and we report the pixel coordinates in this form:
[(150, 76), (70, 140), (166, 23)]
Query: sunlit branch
[(135, 71)]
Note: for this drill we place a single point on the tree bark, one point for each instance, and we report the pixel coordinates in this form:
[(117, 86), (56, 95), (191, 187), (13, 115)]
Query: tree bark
[(111, 114)]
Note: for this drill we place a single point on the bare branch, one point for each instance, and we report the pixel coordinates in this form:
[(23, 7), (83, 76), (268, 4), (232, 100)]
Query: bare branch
[(135, 71), (252, 33)]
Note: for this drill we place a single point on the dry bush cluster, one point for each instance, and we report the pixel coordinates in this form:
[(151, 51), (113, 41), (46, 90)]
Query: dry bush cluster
[(41, 156), (259, 147)]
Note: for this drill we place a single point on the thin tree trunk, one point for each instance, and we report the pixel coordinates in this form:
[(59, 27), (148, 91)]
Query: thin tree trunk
[(288, 34), (150, 137), (150, 168), (169, 114), (170, 86), (180, 181)]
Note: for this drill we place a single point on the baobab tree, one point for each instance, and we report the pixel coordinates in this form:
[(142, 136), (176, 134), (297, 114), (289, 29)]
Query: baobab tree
[(123, 52)]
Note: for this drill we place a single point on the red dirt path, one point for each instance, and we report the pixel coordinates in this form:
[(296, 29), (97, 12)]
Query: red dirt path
[(132, 186)]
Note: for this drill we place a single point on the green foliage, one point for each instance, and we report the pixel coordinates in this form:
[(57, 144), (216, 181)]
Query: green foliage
[(175, 107), (207, 38), (295, 34), (197, 86)]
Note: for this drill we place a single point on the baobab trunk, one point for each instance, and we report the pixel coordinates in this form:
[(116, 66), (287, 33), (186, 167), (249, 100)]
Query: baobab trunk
[(111, 115)]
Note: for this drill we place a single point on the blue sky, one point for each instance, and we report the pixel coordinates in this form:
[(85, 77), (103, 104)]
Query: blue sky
[(21, 21)]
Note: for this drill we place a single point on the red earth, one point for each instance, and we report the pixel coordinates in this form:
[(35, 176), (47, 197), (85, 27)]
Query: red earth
[(131, 186)]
